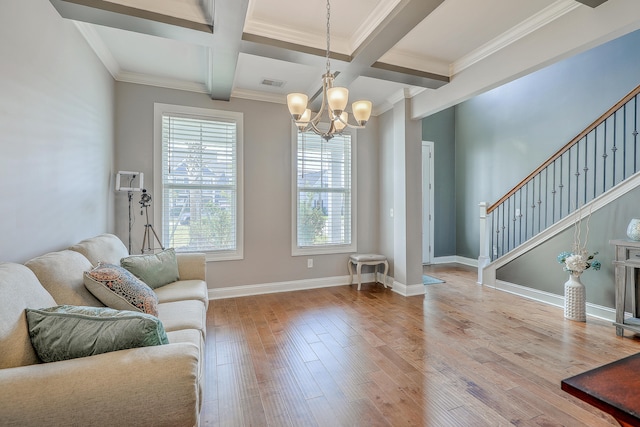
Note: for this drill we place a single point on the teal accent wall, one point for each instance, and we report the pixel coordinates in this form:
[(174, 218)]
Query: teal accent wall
[(440, 129), (504, 134), (488, 144), (539, 268)]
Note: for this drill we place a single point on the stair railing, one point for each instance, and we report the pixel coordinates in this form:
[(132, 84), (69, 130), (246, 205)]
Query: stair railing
[(597, 159)]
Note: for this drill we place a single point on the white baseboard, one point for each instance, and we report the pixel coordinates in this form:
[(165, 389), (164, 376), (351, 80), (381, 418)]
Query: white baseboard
[(294, 285), (298, 285), (408, 290), (594, 310), (455, 259)]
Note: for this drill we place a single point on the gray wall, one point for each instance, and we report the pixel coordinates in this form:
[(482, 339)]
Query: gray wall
[(56, 116), (440, 129), (504, 134), (267, 185)]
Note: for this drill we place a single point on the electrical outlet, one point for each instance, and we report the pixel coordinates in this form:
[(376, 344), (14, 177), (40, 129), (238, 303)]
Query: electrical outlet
[(391, 212), (309, 262)]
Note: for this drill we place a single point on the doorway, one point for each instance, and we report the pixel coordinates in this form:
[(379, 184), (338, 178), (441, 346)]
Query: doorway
[(427, 201)]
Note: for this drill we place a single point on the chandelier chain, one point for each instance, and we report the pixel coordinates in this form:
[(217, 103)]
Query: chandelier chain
[(328, 36)]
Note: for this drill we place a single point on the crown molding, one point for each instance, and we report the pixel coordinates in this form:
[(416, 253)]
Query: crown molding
[(414, 61), (99, 47), (381, 11), (146, 79), (255, 95), (526, 27), (290, 35)]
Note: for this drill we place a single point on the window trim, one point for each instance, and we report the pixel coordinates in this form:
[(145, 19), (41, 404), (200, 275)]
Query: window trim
[(324, 249), (160, 109)]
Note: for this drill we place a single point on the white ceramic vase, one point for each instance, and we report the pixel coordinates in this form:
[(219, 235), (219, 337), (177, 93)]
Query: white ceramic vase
[(575, 299), (633, 229)]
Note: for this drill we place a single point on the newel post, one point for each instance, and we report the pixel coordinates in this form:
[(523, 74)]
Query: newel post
[(483, 258)]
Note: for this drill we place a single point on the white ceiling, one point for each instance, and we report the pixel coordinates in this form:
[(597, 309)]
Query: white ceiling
[(285, 40)]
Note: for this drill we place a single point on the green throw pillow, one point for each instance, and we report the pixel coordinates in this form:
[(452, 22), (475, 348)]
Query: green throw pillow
[(67, 332), (118, 288), (155, 269)]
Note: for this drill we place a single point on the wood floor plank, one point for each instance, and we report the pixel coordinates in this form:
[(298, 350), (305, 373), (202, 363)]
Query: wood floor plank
[(461, 355)]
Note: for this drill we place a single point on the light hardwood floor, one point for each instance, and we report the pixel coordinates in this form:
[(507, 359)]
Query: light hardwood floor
[(462, 355)]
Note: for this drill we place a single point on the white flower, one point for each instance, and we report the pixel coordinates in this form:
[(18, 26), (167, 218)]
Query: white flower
[(576, 263)]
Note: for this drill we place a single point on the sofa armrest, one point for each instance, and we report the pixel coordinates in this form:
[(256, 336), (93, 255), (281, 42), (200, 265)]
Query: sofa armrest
[(155, 386), (192, 266)]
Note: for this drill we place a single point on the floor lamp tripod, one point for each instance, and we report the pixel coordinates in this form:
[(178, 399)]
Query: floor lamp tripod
[(145, 202)]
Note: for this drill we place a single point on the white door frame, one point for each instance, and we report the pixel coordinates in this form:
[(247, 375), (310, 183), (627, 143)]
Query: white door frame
[(428, 187)]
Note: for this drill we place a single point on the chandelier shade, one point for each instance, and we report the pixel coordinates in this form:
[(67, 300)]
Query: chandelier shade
[(334, 104), (297, 103)]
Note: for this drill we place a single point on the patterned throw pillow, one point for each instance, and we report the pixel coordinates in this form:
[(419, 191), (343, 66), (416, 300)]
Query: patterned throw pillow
[(118, 288)]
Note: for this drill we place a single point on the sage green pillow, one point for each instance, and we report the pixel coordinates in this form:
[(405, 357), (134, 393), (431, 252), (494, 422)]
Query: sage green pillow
[(67, 332), (155, 270)]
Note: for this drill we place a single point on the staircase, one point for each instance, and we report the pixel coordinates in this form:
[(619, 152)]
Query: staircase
[(594, 168)]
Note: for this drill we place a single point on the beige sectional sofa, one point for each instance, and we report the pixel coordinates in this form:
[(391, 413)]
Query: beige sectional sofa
[(153, 386)]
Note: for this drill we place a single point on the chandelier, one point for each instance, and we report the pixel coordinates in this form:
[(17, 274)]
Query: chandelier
[(334, 102)]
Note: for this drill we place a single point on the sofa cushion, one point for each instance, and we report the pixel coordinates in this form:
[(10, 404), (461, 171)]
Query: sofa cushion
[(105, 248), (183, 315), (184, 290), (61, 273), (118, 288), (19, 289), (155, 270), (68, 332)]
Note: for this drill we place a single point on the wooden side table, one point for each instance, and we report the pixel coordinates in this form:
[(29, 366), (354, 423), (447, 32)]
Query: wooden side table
[(613, 388), (626, 263), (367, 259)]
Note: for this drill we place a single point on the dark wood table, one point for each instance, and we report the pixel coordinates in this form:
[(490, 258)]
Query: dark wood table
[(613, 388)]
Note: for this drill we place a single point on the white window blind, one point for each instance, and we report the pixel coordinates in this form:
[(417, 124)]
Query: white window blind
[(200, 190), (324, 192)]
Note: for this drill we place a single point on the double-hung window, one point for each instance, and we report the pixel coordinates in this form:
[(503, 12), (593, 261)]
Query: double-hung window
[(198, 153), (324, 194)]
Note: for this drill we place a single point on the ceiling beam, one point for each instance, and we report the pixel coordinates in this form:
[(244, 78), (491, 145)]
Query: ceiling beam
[(228, 22), (290, 52), (402, 19), (128, 18), (229, 40), (592, 3)]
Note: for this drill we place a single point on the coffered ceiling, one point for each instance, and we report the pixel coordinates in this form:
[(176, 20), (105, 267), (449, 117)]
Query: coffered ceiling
[(382, 50)]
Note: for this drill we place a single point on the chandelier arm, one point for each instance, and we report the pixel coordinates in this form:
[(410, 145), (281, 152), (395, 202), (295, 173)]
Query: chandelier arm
[(332, 115), (346, 123), (315, 129)]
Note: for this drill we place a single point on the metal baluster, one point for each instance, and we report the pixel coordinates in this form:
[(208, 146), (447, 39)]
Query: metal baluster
[(586, 167), (569, 182), (614, 149), (546, 197), (508, 216), (560, 186), (503, 233), (553, 200), (604, 158), (539, 202), (526, 216), (624, 141), (520, 216), (577, 174), (494, 239), (635, 134), (595, 164)]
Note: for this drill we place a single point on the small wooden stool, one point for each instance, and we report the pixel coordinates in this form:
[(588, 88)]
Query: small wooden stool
[(367, 259)]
